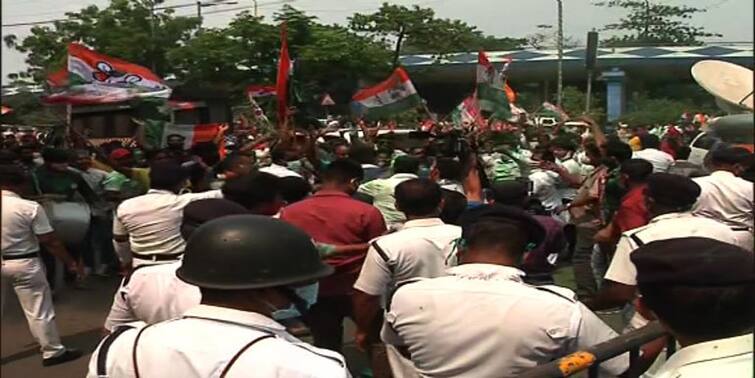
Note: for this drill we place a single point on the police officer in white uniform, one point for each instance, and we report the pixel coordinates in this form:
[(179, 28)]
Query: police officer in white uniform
[(702, 291), (482, 320), (24, 227), (251, 270), (419, 249), (669, 199), (153, 293), (146, 228), (726, 197)]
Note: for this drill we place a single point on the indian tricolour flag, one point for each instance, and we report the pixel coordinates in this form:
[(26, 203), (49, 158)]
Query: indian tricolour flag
[(490, 89), (394, 95), (467, 114)]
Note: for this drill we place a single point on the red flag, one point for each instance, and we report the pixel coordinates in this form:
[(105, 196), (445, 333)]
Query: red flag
[(510, 94), (281, 84), (58, 78), (256, 90)]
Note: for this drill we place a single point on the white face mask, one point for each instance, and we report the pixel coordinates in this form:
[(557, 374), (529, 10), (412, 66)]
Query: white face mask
[(307, 296)]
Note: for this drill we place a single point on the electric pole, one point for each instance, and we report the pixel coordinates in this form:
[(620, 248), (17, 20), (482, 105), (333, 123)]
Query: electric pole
[(199, 15), (560, 42)]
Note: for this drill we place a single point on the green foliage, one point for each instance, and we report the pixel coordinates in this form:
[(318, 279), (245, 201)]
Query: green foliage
[(573, 102), (28, 110), (244, 52), (547, 37), (654, 23), (330, 58), (490, 43), (417, 30), (123, 29), (644, 110)]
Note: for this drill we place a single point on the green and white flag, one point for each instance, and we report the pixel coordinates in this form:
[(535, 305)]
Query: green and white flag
[(491, 95), (394, 95)]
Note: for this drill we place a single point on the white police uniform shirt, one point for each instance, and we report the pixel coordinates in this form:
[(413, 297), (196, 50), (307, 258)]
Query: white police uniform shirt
[(574, 168), (279, 171), (730, 357), (482, 321), (153, 221), (151, 294), (204, 342), (22, 221), (545, 188), (419, 249), (728, 199), (660, 160), (662, 227)]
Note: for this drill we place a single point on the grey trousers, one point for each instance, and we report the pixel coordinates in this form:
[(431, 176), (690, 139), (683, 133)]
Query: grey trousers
[(582, 262)]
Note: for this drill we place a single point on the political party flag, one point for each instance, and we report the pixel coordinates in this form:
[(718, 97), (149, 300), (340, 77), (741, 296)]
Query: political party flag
[(560, 113), (466, 114), (94, 78), (394, 95), (491, 95), (58, 78), (510, 94), (284, 68), (157, 133), (255, 90)]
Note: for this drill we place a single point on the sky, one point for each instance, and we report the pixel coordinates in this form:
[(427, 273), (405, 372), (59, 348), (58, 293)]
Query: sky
[(509, 18)]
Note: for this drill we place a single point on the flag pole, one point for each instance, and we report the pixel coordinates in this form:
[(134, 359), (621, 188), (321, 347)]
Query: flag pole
[(424, 106), (69, 117), (257, 109)]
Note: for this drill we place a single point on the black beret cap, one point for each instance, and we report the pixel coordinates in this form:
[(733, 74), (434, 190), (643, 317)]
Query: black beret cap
[(504, 214), (199, 212), (673, 190), (508, 190), (693, 262)]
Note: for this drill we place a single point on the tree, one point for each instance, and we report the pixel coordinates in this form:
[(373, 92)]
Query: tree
[(548, 39), (28, 110), (490, 43), (394, 22), (124, 29), (244, 52), (329, 58), (650, 108), (574, 102), (417, 30), (654, 23)]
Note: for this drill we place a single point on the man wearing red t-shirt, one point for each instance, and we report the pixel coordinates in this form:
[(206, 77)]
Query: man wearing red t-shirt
[(632, 212), (332, 217)]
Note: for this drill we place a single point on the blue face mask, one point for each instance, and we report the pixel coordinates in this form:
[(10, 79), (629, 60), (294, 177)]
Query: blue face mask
[(306, 296)]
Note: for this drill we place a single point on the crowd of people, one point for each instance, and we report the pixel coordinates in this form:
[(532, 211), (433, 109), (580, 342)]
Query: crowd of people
[(441, 247)]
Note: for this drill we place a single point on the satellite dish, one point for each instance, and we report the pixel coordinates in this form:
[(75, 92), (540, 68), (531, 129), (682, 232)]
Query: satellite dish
[(729, 83)]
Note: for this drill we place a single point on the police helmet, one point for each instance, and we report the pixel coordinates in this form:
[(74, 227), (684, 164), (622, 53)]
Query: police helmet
[(250, 252)]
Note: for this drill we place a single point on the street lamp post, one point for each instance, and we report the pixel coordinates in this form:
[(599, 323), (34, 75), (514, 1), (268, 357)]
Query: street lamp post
[(560, 43), (211, 3)]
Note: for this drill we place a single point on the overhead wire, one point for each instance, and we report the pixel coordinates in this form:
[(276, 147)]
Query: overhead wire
[(177, 6)]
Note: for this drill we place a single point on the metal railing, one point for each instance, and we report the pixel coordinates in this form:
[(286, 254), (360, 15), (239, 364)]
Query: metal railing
[(591, 358)]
